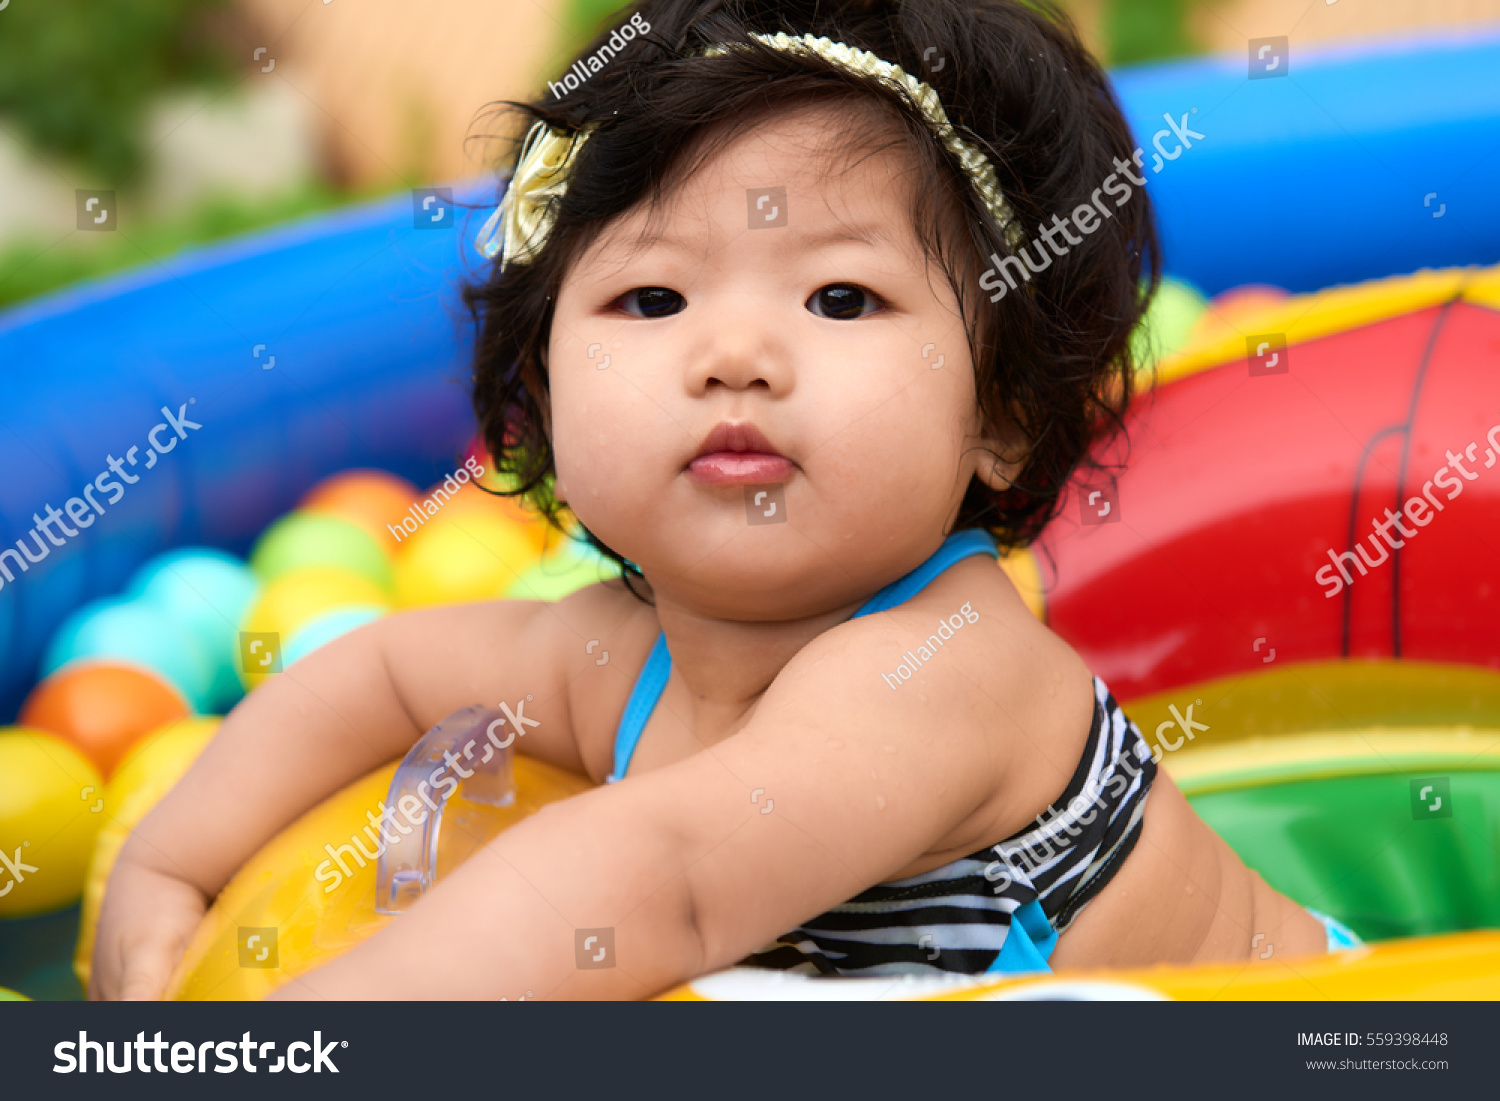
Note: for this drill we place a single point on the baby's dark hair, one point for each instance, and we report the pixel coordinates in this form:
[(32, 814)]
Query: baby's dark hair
[(1052, 357)]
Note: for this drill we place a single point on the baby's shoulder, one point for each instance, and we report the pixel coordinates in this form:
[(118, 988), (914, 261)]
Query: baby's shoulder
[(967, 641)]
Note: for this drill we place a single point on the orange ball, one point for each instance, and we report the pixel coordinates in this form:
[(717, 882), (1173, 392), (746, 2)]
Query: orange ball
[(372, 499), (103, 708), (1230, 309)]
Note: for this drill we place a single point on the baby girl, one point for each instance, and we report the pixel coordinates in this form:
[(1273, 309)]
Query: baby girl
[(734, 331)]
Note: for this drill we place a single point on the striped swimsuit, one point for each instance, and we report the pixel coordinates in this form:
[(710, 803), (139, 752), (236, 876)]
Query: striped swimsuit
[(1000, 909)]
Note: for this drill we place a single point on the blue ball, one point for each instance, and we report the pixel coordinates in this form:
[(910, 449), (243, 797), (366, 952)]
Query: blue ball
[(207, 592), (135, 633), (321, 630)]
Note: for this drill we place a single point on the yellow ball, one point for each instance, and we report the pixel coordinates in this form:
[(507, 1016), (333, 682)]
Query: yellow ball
[(297, 597), (156, 762), (150, 770), (465, 558), (52, 804)]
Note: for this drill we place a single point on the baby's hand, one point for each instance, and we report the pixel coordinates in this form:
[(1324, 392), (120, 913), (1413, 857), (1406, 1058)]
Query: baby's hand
[(145, 924)]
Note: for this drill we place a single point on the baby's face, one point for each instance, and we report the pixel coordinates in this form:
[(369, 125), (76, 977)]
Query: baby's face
[(764, 396)]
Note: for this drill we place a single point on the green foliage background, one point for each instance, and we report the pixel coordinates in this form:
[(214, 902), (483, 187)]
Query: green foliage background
[(1135, 31), (76, 76), (1146, 30)]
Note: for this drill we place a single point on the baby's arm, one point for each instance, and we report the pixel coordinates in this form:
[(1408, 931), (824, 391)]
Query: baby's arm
[(304, 734), (680, 864)]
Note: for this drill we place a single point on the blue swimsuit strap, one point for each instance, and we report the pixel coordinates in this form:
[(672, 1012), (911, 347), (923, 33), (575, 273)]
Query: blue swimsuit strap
[(653, 679)]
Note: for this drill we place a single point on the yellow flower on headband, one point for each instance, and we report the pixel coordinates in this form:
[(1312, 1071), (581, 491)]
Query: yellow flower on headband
[(522, 223)]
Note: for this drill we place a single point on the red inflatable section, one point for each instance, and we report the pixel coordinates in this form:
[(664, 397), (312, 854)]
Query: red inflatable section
[(1216, 552)]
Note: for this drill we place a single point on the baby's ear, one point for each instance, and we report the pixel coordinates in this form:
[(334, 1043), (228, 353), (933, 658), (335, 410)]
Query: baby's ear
[(1000, 457)]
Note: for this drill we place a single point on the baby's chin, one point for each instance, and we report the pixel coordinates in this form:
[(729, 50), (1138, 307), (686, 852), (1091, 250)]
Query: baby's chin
[(754, 573)]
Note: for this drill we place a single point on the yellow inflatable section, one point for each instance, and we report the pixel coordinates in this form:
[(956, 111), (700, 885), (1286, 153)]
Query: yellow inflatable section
[(317, 919), (1457, 967), (146, 774), (1306, 317), (1358, 729)]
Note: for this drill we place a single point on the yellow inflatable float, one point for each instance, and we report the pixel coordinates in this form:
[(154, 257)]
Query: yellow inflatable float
[(1306, 771)]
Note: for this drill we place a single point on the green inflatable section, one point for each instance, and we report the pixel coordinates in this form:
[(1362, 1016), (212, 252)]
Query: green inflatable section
[(1374, 851)]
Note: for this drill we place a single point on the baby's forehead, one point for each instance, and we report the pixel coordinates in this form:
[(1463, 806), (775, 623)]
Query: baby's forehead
[(822, 174)]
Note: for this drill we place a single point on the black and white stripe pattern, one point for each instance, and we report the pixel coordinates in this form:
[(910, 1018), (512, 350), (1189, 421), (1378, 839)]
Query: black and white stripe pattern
[(956, 918)]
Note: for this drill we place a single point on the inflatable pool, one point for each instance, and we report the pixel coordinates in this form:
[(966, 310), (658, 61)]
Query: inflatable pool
[(1328, 815), (1365, 785), (1331, 724), (337, 342)]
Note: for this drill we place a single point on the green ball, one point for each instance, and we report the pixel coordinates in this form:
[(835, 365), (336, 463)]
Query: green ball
[(1168, 321), (300, 540), (571, 567)]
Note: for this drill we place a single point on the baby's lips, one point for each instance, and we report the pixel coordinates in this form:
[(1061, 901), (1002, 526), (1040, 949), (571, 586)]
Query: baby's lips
[(741, 468)]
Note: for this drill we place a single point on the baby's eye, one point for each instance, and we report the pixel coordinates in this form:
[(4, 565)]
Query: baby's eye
[(650, 302), (843, 302)]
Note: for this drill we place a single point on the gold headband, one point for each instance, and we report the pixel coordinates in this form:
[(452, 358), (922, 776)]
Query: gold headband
[(520, 226)]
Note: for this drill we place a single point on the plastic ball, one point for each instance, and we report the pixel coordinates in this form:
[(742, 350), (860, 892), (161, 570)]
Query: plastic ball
[(1168, 321), (311, 540), (470, 501), (102, 708), (134, 632), (296, 599), (373, 499), (52, 805), (571, 567), (1228, 311), (147, 773), (480, 454), (323, 629), (208, 592), (158, 760), (457, 560)]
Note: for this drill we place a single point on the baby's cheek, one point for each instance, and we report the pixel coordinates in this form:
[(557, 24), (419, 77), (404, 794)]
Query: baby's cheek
[(606, 462)]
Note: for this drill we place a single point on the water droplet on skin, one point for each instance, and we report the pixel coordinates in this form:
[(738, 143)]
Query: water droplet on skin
[(880, 802), (890, 749), (835, 743)]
